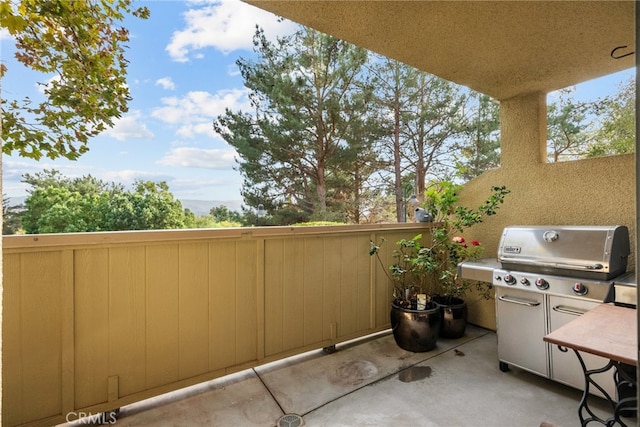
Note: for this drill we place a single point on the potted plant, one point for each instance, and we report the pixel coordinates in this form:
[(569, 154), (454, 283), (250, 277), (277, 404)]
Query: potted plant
[(415, 317), (429, 267), (449, 248)]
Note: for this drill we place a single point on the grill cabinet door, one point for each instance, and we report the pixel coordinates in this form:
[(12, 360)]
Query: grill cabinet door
[(521, 329), (565, 367)]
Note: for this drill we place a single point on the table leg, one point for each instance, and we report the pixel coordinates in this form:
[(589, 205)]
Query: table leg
[(623, 378), (627, 386)]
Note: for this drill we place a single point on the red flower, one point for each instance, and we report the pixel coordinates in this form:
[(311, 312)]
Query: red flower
[(458, 239), (475, 243)]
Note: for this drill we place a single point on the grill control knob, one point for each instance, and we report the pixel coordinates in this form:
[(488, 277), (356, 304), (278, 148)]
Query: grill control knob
[(542, 284), (525, 281), (580, 289), (509, 279)]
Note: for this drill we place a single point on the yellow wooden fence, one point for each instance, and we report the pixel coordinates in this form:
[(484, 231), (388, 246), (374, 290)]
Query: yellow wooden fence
[(95, 321)]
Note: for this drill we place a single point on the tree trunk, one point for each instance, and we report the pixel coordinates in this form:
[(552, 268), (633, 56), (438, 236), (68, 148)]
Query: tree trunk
[(401, 208)]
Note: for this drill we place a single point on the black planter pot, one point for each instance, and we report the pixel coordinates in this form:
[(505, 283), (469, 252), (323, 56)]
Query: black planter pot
[(416, 330), (454, 317)]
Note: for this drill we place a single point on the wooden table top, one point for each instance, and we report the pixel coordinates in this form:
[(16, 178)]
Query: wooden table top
[(609, 331)]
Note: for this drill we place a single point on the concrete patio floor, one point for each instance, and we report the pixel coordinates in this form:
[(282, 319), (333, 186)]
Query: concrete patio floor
[(371, 382)]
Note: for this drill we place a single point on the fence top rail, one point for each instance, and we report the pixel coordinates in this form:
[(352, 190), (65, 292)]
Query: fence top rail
[(36, 241)]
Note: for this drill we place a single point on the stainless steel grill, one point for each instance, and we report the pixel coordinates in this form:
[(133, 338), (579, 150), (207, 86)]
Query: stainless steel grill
[(544, 276), (590, 252)]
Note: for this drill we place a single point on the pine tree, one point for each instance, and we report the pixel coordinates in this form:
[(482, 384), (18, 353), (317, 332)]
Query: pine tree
[(296, 148)]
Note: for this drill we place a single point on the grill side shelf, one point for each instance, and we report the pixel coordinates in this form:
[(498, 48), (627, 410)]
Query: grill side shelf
[(480, 270)]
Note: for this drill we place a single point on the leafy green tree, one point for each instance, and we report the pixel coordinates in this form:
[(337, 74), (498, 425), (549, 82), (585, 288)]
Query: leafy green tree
[(58, 204), (150, 206), (190, 219), (222, 213), (307, 92), (79, 47), (617, 134)]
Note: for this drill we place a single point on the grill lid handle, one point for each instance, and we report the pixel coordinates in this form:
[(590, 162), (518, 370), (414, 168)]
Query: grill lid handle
[(535, 263)]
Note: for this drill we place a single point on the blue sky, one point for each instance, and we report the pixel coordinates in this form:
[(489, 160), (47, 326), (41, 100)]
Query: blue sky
[(181, 75)]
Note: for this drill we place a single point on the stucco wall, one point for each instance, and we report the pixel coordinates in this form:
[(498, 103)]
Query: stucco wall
[(598, 191)]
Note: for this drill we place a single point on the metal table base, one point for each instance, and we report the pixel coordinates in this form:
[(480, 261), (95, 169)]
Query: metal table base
[(626, 385)]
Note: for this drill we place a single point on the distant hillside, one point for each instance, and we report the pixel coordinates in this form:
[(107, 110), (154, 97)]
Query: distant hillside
[(202, 207), (198, 207)]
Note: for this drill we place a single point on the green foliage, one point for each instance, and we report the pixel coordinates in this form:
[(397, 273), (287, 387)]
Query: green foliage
[(430, 266), (480, 150), (568, 131), (304, 148), (578, 130), (617, 134), (441, 201), (11, 217), (223, 214), (277, 214), (80, 45), (150, 206), (57, 204), (422, 116), (326, 122), (408, 273), (448, 246), (219, 217)]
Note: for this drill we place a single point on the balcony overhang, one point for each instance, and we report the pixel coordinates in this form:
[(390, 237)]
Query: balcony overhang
[(500, 48)]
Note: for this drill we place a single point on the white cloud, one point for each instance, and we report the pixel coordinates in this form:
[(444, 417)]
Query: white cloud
[(225, 25), (5, 35), (12, 172), (129, 127), (166, 83), (195, 112), (15, 169), (191, 157), (190, 131)]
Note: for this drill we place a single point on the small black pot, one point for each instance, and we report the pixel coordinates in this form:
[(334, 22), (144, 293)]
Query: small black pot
[(454, 315), (416, 330)]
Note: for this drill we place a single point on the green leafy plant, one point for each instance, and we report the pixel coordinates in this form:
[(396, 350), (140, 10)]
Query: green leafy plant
[(408, 273), (429, 266), (448, 245)]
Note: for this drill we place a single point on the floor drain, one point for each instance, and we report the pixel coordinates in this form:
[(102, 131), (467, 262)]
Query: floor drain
[(290, 420)]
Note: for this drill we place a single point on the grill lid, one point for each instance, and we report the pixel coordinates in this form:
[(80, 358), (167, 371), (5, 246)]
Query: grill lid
[(591, 252)]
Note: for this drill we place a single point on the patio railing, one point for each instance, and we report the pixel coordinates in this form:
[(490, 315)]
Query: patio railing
[(95, 321)]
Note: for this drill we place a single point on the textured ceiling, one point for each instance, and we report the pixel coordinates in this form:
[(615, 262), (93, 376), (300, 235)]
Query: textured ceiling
[(500, 48)]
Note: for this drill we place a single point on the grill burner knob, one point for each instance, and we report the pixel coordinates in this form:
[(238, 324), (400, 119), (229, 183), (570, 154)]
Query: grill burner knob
[(580, 289), (509, 279), (542, 284), (525, 281)]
